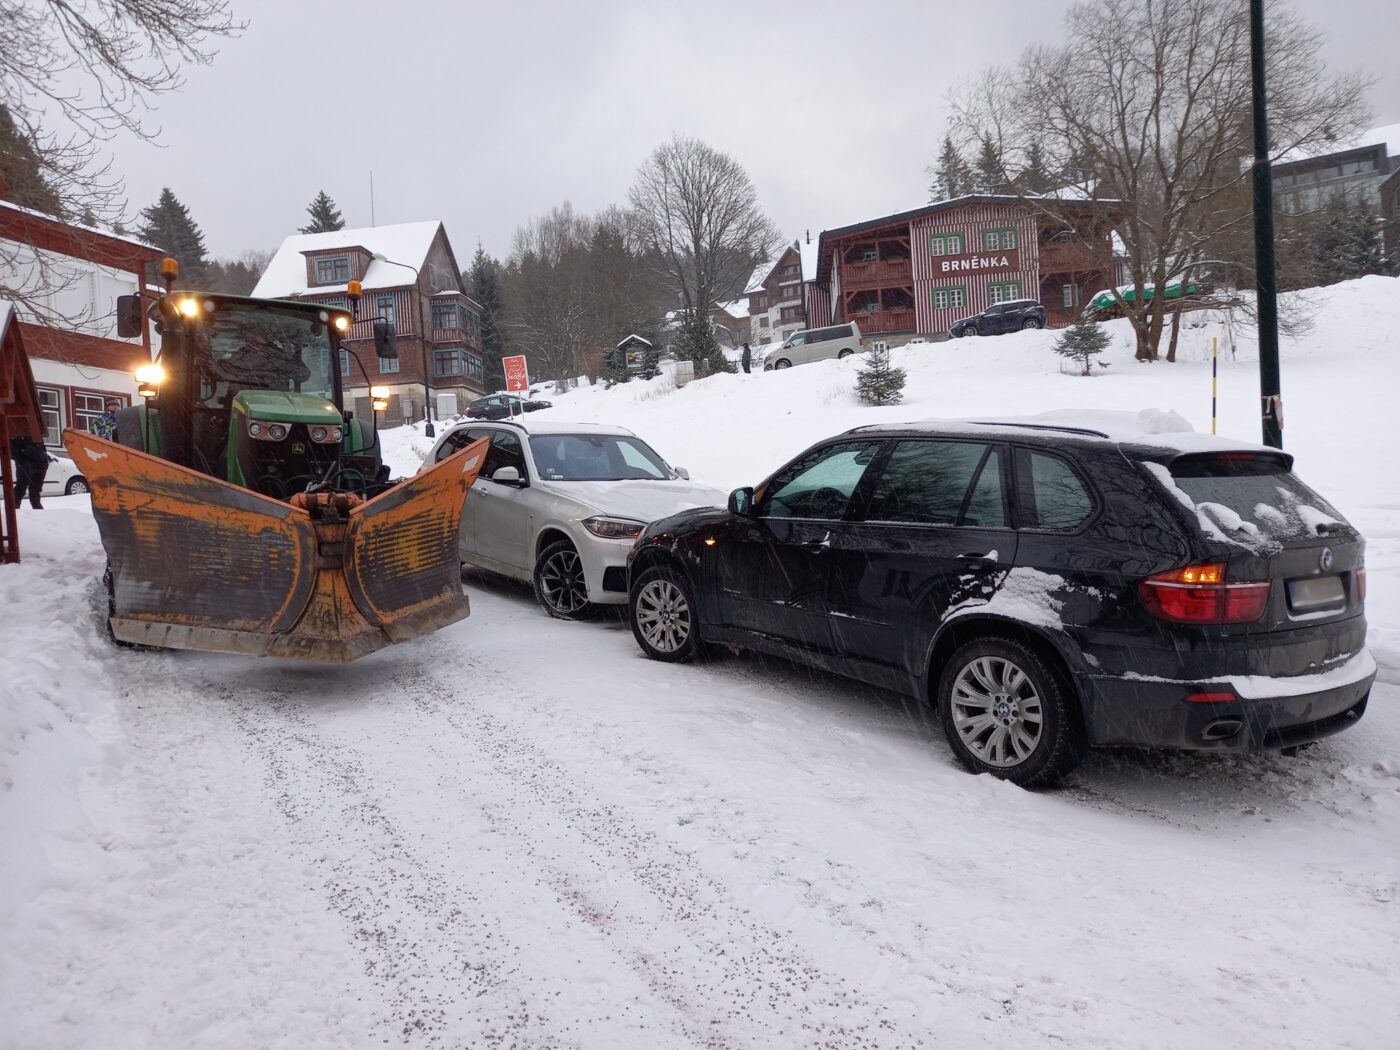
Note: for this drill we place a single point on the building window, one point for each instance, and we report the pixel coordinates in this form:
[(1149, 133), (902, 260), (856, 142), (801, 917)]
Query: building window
[(345, 362), (388, 365), (448, 362), (791, 313), (51, 409), (791, 271), (334, 269), (788, 292), (945, 244), (999, 240), (1003, 291), (474, 368), (949, 297), (1067, 295), (87, 409), (445, 315), (384, 308)]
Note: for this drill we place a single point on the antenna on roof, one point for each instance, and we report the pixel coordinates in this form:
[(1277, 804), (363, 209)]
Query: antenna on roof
[(371, 196)]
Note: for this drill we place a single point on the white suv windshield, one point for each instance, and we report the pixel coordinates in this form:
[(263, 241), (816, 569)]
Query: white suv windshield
[(596, 457)]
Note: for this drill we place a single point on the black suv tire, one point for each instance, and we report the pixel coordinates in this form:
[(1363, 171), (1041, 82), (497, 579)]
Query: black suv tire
[(661, 612), (967, 330), (560, 587), (1031, 322), (997, 676)]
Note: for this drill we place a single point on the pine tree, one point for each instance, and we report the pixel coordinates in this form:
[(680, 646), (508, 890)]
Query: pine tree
[(651, 363), (167, 224), (21, 172), (325, 216), (878, 382), (1035, 177), (615, 369), (989, 173), (483, 281), (1083, 341), (1346, 243), (697, 343), (951, 175)]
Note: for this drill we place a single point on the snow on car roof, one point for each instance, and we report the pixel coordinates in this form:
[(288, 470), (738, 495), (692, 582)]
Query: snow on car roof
[(551, 426), (1149, 428)]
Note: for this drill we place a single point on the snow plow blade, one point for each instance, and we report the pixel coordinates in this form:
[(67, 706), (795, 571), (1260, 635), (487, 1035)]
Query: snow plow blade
[(197, 563)]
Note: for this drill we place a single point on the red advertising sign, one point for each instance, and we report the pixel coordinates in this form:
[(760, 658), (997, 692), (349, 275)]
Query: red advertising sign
[(517, 375)]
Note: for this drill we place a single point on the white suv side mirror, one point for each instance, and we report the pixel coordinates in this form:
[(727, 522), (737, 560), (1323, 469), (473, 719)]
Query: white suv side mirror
[(506, 476), (682, 473)]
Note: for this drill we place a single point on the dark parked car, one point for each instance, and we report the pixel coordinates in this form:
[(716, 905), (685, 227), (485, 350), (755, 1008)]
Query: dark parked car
[(1045, 588), (1003, 317), (503, 406)]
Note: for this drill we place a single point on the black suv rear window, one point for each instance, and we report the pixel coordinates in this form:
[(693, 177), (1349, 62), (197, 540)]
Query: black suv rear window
[(1244, 494)]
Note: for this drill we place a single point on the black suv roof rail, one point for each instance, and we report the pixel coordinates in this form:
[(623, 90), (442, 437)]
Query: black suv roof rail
[(1039, 426)]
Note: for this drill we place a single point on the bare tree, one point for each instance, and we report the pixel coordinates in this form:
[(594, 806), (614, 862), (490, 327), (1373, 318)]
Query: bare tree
[(1148, 106), (698, 217), (73, 74)]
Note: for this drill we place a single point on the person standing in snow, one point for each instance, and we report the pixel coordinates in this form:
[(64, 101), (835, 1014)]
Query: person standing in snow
[(747, 359), (31, 464), (105, 425)]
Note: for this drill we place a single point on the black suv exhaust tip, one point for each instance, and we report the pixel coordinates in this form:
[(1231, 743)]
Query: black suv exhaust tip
[(1222, 728)]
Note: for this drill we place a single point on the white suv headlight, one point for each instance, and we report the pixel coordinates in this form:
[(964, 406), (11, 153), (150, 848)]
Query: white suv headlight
[(614, 528)]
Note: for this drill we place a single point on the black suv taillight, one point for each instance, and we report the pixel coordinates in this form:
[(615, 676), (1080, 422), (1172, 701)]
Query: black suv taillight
[(1202, 594)]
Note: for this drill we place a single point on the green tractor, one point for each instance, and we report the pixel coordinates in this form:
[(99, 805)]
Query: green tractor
[(243, 509)]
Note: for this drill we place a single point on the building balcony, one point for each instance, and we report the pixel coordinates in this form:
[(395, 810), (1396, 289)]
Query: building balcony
[(1056, 257), (875, 322), (876, 272)]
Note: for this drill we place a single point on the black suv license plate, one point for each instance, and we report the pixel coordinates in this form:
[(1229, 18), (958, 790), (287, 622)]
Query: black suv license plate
[(1316, 593)]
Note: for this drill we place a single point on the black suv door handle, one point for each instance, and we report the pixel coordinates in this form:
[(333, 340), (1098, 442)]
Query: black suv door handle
[(823, 544), (981, 561)]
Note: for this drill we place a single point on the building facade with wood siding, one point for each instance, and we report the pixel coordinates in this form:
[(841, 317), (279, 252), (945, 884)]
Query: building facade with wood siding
[(409, 277), (70, 276), (918, 272)]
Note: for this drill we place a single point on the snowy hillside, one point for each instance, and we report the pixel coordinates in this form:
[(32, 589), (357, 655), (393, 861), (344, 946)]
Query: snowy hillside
[(518, 832)]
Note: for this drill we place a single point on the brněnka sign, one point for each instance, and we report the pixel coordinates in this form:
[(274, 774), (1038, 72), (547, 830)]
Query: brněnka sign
[(977, 262)]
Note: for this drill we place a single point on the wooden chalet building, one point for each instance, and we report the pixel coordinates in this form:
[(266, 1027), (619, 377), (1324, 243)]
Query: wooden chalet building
[(919, 271), (774, 293), (73, 275), (408, 277)]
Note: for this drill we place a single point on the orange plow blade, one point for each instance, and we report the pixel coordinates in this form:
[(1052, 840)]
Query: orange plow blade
[(197, 563)]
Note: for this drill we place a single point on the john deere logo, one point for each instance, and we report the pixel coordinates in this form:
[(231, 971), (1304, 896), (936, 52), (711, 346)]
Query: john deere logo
[(1324, 560), (299, 449)]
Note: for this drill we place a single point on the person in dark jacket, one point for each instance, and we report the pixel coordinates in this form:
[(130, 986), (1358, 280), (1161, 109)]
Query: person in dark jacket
[(105, 425), (31, 464), (747, 359)]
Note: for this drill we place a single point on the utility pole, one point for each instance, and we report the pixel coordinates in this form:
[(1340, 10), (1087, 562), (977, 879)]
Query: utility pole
[(1270, 385)]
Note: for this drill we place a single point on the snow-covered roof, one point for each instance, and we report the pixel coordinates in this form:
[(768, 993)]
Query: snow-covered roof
[(736, 308), (1387, 136), (122, 237), (406, 242), (809, 249), (634, 338), (760, 275)]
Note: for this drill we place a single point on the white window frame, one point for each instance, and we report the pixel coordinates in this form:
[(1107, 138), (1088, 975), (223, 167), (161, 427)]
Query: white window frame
[(59, 409), (1003, 292), (954, 297), (941, 244)]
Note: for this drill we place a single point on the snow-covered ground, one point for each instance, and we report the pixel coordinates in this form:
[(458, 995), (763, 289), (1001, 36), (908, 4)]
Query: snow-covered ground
[(518, 832)]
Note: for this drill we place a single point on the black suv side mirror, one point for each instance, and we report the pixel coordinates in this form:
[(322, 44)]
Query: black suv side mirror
[(741, 502)]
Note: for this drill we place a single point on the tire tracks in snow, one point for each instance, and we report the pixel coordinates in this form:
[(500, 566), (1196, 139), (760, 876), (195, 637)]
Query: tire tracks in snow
[(736, 981), (443, 971)]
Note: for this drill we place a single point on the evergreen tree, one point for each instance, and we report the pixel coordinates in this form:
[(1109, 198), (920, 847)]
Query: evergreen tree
[(1346, 243), (878, 382), (697, 343), (651, 363), (167, 224), (951, 175), (989, 172), (325, 216), (21, 172), (483, 281), (615, 367), (1083, 341), (1036, 177)]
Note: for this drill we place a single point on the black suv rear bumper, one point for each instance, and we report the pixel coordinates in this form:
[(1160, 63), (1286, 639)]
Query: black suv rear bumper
[(1138, 712)]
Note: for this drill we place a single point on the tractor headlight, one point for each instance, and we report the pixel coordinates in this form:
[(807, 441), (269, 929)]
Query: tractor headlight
[(266, 431), (326, 435), (613, 528)]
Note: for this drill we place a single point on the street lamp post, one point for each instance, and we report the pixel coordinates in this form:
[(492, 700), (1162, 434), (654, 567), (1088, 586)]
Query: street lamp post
[(428, 429), (1270, 383)]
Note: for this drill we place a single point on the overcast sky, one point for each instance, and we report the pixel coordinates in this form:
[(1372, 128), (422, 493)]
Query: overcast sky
[(484, 115)]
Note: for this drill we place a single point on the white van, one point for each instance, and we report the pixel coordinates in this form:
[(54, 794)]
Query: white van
[(816, 344)]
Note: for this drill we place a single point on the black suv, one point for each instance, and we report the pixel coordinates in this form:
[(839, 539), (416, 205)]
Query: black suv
[(1003, 317), (1046, 588), (503, 406)]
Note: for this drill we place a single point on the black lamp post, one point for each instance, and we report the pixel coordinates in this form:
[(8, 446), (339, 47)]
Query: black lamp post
[(1270, 383), (428, 429)]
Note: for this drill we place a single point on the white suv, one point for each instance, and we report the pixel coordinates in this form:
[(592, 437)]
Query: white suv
[(561, 504)]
